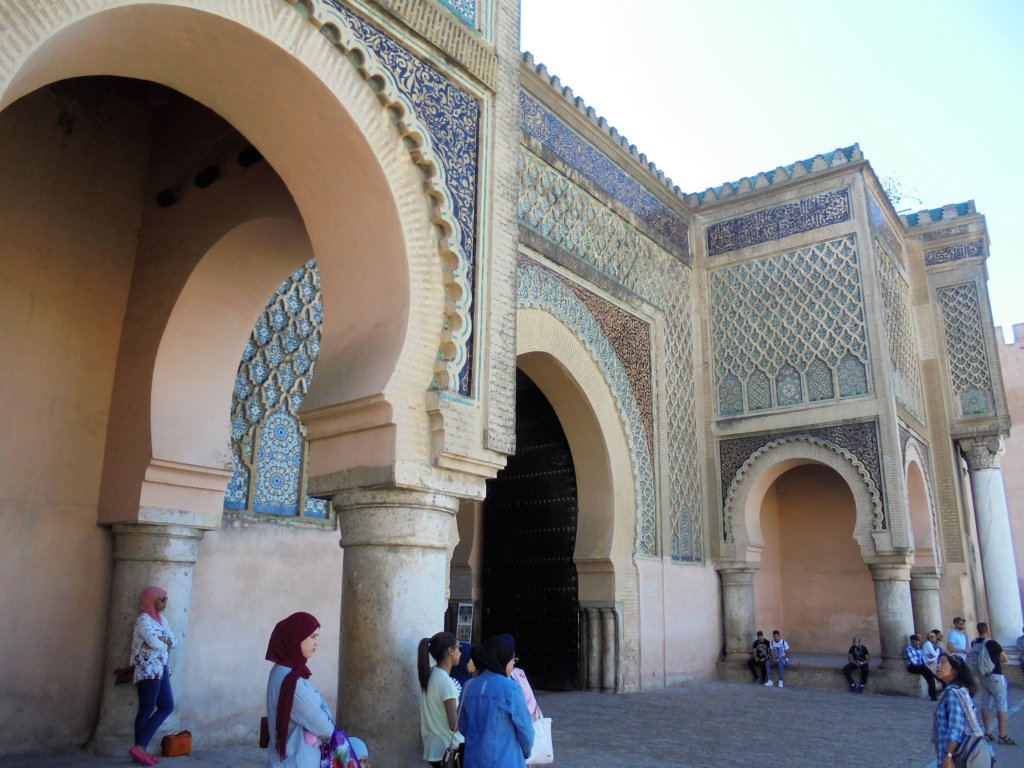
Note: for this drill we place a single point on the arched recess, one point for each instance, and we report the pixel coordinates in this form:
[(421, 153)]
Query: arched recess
[(562, 368), (765, 466), (328, 136)]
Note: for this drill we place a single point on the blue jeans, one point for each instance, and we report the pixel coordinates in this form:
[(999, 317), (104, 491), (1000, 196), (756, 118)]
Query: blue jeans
[(156, 702), (781, 664)]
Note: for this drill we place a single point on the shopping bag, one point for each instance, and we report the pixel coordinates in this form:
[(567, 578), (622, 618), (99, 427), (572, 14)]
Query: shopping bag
[(543, 751)]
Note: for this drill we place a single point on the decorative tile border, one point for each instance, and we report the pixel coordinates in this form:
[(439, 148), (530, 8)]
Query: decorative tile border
[(780, 221), (452, 118), (935, 215), (954, 253), (959, 229), (540, 124), (539, 288)]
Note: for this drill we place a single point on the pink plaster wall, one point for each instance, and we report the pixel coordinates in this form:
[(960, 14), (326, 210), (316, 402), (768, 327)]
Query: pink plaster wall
[(813, 584), (69, 213), (1011, 359)]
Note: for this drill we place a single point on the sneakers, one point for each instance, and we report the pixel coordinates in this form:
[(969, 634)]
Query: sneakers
[(781, 684), (853, 687), (769, 684), (860, 687)]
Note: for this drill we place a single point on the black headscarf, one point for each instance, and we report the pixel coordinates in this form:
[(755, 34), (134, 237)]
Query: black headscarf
[(495, 653), (460, 672)]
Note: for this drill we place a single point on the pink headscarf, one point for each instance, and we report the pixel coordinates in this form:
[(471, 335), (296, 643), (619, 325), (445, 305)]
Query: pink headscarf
[(147, 602)]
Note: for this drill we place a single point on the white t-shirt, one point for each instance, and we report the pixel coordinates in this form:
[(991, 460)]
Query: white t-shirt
[(780, 650), (434, 717)]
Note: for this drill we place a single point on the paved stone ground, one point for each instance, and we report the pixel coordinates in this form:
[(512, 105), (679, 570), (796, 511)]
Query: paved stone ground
[(702, 725)]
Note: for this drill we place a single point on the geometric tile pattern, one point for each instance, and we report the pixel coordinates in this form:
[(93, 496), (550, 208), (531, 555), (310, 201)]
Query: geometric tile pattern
[(452, 118), (267, 442), (899, 328), (572, 219), (965, 343), (540, 288), (795, 319), (465, 9), (567, 145), (779, 221), (857, 442), (954, 253)]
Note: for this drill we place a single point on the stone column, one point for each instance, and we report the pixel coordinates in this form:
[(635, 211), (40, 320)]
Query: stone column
[(997, 562), (144, 555), (738, 607), (924, 594), (393, 594), (608, 636), (894, 608)]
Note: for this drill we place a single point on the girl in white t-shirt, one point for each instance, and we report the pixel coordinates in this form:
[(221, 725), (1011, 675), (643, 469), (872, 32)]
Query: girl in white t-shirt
[(439, 696)]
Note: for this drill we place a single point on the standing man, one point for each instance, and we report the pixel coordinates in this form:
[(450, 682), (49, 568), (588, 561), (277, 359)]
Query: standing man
[(858, 659), (914, 657), (779, 657), (993, 685), (760, 652), (957, 642)]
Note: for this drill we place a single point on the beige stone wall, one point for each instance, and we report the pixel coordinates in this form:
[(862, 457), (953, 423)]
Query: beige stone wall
[(69, 210), (1011, 360)]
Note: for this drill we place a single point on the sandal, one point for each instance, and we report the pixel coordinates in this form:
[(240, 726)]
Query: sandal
[(1008, 741), (988, 736)]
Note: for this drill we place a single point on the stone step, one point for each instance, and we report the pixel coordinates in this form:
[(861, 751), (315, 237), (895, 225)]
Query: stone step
[(825, 673)]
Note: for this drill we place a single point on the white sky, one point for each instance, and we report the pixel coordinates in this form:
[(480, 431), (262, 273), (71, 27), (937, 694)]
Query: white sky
[(715, 90)]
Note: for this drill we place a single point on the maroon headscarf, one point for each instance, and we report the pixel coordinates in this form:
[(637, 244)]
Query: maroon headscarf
[(147, 602), (285, 648)]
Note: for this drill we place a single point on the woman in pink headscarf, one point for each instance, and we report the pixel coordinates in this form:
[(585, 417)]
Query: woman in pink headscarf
[(151, 644)]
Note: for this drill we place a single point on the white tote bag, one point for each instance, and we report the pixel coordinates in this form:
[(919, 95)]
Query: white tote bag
[(543, 750)]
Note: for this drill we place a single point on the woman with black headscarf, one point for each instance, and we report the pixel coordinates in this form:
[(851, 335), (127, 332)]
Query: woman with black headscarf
[(494, 718)]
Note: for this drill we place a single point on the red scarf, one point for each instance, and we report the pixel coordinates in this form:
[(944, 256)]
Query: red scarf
[(285, 648)]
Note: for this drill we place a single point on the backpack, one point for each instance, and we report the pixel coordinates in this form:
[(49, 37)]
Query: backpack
[(980, 660)]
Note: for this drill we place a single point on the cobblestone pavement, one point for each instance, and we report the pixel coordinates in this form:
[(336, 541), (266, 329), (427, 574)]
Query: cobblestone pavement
[(701, 725)]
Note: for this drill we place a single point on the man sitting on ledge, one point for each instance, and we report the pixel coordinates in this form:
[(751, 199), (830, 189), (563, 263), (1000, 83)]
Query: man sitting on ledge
[(914, 656), (858, 656)]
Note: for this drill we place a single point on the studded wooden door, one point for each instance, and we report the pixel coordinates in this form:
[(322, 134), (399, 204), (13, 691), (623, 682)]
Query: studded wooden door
[(529, 577)]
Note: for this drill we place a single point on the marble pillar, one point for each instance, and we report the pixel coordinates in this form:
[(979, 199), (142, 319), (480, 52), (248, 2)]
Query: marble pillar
[(738, 607), (924, 594), (894, 608), (997, 561), (144, 555), (396, 546)]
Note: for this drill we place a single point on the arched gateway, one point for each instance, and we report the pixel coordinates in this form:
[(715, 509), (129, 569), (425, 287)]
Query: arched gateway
[(314, 154)]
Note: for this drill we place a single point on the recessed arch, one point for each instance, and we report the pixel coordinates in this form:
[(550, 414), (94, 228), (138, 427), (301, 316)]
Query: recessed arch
[(920, 507), (766, 465), (357, 189)]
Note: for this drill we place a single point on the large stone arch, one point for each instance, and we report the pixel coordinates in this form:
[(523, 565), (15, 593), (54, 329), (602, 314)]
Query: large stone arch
[(557, 361), (767, 464), (332, 138)]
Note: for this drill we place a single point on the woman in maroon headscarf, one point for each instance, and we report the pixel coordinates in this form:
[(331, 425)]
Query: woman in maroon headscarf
[(151, 644), (297, 714), (294, 706)]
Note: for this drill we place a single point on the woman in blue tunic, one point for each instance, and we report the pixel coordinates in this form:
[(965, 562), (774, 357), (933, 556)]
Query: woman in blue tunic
[(494, 718)]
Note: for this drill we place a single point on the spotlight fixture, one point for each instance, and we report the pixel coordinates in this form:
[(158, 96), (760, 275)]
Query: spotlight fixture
[(249, 156), (207, 176), (168, 197)]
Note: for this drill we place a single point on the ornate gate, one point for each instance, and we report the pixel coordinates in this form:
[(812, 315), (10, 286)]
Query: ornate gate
[(529, 577)]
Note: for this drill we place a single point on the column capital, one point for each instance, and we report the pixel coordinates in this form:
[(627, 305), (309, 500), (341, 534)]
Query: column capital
[(395, 517), (737, 574), (148, 542), (983, 452), (887, 570)]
